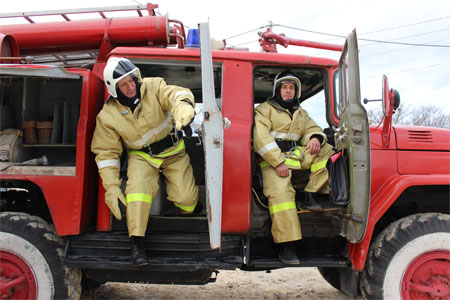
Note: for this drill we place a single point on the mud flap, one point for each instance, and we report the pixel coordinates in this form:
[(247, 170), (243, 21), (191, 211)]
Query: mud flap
[(349, 282)]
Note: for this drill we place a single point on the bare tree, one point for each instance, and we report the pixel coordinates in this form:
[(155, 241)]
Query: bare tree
[(426, 115), (399, 117), (430, 115)]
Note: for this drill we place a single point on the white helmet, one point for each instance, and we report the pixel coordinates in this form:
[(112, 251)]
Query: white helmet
[(287, 76), (116, 69)]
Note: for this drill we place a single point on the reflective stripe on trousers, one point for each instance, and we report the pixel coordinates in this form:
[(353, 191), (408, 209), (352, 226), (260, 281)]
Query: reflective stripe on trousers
[(281, 207), (139, 197)]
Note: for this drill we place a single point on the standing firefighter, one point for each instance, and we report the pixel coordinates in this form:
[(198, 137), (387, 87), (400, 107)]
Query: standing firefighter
[(287, 139), (140, 115)]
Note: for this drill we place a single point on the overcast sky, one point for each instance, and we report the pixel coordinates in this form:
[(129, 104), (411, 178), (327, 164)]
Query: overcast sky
[(420, 73)]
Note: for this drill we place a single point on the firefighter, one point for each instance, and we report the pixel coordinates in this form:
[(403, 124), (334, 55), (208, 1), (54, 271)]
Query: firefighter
[(139, 118), (287, 139)]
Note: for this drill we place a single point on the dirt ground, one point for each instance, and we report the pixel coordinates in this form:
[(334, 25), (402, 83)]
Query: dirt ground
[(289, 283)]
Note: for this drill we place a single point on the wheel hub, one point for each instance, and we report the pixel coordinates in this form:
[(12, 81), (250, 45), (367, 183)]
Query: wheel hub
[(17, 280), (428, 277)]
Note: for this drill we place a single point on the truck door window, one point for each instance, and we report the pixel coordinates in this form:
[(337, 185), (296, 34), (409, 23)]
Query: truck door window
[(186, 74), (337, 98), (312, 95)]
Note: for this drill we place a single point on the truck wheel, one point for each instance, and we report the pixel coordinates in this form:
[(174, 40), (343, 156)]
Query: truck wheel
[(410, 260), (31, 260), (332, 276)]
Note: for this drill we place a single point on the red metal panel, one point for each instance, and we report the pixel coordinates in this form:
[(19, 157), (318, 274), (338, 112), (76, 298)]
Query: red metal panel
[(104, 221), (256, 57), (422, 138), (424, 162), (238, 108), (376, 138), (92, 94), (386, 186)]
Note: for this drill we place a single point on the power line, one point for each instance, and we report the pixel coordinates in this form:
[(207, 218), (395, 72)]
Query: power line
[(362, 39), (406, 37), (399, 49), (408, 59), (403, 26), (413, 69), (260, 27)]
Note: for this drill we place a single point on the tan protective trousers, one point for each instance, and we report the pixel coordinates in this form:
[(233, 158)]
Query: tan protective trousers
[(281, 194), (142, 186)]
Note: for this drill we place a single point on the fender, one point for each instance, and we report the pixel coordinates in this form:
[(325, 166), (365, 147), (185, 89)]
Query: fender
[(380, 203)]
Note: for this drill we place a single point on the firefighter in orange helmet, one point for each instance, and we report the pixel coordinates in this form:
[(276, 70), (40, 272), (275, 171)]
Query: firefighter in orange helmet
[(287, 139), (140, 115)]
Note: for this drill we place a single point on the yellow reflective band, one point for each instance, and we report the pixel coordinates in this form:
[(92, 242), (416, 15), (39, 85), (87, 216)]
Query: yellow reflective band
[(292, 163), (288, 162), (189, 208), (139, 197), (318, 166), (264, 164), (281, 207), (179, 147), (146, 156)]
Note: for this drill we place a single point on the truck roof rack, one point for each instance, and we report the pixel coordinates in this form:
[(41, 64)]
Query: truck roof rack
[(65, 12), (71, 45)]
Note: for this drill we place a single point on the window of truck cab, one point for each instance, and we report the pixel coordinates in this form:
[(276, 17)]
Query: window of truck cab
[(184, 73), (313, 96)]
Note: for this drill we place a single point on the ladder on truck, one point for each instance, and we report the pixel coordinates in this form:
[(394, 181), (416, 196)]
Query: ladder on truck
[(64, 13), (77, 58)]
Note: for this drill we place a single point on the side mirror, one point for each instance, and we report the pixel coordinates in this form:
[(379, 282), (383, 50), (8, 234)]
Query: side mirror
[(396, 99), (391, 98), (391, 101)]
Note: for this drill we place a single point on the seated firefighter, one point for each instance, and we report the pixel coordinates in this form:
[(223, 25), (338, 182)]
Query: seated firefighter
[(287, 139), (140, 115)]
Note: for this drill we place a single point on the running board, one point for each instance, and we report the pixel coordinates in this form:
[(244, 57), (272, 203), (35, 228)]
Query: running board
[(259, 264), (166, 252)]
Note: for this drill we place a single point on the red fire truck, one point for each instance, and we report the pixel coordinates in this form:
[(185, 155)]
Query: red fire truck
[(390, 241)]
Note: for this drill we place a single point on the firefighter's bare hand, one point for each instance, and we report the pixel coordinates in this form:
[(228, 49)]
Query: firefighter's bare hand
[(112, 196), (313, 146), (183, 114), (282, 170)]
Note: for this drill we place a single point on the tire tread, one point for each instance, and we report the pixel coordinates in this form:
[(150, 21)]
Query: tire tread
[(392, 238), (43, 236)]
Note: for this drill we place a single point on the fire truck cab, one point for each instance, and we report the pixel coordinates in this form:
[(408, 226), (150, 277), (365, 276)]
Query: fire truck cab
[(57, 234)]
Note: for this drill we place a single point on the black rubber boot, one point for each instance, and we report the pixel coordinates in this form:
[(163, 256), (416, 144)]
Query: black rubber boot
[(287, 254), (312, 201), (138, 251)]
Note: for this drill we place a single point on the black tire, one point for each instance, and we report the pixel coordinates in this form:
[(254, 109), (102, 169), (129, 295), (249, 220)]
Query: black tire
[(30, 244), (411, 255), (332, 276)]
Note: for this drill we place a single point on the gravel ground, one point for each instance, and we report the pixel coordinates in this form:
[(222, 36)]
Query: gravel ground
[(289, 283)]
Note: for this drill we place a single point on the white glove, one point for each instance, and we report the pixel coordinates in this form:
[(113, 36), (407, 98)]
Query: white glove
[(183, 114), (112, 195)]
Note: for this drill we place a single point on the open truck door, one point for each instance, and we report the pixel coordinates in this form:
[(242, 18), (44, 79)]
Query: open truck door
[(212, 135), (352, 139)]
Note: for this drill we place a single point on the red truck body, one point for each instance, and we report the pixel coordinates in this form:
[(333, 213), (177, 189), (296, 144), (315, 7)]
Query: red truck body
[(414, 163)]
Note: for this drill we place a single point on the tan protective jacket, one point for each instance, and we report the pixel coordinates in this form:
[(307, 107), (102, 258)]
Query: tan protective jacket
[(150, 122), (275, 122)]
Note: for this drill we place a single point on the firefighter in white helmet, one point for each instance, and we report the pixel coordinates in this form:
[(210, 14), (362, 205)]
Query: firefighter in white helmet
[(139, 116), (287, 139)]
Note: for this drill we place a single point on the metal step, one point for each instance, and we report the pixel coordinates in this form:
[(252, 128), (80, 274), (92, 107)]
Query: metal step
[(264, 263), (166, 251)]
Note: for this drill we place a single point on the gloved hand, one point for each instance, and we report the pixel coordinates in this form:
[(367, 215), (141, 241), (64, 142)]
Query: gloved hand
[(183, 114), (112, 195)]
